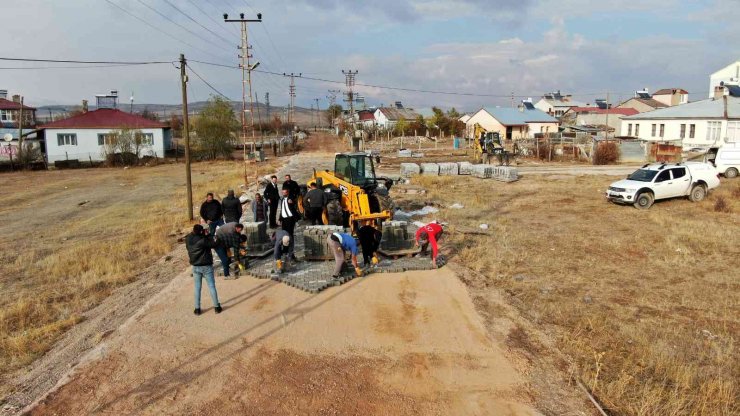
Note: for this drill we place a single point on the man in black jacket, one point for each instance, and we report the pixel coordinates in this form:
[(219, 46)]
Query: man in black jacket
[(288, 216), (293, 188), (232, 208), (272, 196), (313, 204), (199, 245), (212, 213)]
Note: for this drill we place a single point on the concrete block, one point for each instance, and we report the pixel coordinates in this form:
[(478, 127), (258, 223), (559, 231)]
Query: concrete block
[(448, 169), (465, 168), (405, 153), (430, 169), (409, 169)]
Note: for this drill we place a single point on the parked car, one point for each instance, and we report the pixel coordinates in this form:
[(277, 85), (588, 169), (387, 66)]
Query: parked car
[(661, 181), (726, 159)]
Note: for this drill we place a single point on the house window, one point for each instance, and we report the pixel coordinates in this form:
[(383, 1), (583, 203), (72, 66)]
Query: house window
[(106, 139), (692, 131), (66, 139), (662, 130), (7, 115), (683, 131), (146, 139), (629, 129), (637, 130), (713, 130), (733, 131), (654, 130)]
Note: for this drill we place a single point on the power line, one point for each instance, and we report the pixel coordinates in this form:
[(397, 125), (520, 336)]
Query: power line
[(207, 83), (62, 61), (216, 22), (197, 22), (158, 29)]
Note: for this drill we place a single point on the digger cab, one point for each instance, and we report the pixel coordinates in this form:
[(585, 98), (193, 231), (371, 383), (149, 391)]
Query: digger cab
[(357, 169)]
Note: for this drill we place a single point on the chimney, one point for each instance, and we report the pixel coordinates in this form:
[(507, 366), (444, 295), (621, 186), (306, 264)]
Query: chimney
[(84, 106), (4, 94), (16, 98), (719, 91), (724, 103)]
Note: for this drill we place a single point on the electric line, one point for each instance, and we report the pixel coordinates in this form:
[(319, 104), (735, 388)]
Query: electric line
[(62, 61), (67, 67), (217, 23), (197, 22), (160, 30), (207, 83), (269, 38)]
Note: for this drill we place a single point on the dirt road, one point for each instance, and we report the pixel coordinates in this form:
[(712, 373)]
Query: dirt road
[(407, 343)]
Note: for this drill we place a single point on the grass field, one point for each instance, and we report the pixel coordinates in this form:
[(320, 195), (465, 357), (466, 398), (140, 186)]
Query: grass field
[(61, 255), (644, 304)]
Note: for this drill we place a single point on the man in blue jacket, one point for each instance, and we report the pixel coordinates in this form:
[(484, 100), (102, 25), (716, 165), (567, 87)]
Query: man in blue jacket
[(338, 243)]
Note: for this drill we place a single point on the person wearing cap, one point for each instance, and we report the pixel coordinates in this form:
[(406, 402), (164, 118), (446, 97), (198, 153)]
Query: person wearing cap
[(429, 234), (283, 247), (232, 207), (199, 245), (338, 243)]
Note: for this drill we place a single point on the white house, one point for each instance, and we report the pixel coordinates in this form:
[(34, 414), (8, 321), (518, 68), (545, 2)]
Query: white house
[(387, 117), (671, 96), (512, 123), (556, 104), (698, 124), (730, 73), (85, 136)]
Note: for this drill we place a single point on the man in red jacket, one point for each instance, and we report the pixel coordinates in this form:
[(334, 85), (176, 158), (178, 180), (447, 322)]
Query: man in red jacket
[(429, 234)]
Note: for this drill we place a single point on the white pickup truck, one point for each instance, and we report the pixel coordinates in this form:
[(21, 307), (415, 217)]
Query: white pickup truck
[(661, 181)]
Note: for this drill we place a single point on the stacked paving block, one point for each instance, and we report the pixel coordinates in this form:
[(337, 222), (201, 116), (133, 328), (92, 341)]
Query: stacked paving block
[(499, 173), (465, 168), (448, 169), (398, 236), (410, 169), (430, 169), (483, 171), (314, 240), (258, 242), (405, 153)]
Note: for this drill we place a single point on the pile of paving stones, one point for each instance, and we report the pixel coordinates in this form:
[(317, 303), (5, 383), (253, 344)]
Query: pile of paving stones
[(483, 171)]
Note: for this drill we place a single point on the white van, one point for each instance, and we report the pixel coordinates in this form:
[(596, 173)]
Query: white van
[(726, 159)]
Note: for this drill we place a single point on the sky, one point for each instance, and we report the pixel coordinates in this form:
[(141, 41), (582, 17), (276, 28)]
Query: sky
[(482, 50)]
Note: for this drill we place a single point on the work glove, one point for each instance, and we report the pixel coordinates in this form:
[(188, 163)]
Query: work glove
[(375, 260), (358, 272), (279, 265)]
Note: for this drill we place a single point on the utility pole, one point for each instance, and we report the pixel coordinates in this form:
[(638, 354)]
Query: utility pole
[(318, 112), (131, 108), (606, 128), (20, 134), (349, 81), (332, 97), (291, 92), (247, 69), (267, 105), (186, 133)]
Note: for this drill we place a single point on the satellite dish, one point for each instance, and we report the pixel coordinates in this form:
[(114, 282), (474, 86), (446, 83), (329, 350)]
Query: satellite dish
[(8, 137)]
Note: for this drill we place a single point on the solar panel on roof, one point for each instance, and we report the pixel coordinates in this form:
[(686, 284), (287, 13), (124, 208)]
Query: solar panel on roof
[(528, 105), (734, 90), (643, 95)]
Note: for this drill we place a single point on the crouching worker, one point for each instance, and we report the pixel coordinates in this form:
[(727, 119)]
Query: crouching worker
[(338, 243), (370, 242), (429, 234), (283, 248), (229, 237), (199, 245)]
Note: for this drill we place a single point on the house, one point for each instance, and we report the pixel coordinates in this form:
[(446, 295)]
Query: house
[(598, 116), (513, 123), (87, 135), (9, 115), (387, 117), (556, 104), (697, 124), (728, 74), (671, 96), (365, 118)]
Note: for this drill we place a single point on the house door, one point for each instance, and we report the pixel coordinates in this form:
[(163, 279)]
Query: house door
[(509, 130)]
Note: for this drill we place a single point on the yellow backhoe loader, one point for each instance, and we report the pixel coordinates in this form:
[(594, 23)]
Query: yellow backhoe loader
[(487, 145), (355, 195)]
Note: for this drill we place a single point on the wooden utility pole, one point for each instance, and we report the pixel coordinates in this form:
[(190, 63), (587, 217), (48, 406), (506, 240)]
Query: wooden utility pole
[(20, 134), (186, 133), (606, 128)]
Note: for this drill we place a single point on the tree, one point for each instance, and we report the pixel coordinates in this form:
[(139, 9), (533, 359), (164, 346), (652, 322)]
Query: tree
[(149, 115), (401, 126), (333, 112), (214, 127)]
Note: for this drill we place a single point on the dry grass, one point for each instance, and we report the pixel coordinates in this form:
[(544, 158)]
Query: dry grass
[(606, 153), (645, 304), (64, 259)]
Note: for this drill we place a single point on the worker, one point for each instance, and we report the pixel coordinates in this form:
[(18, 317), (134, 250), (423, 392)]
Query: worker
[(314, 204), (211, 213), (292, 186), (199, 245), (288, 215), (338, 243), (229, 238), (429, 234), (232, 207), (283, 247), (370, 242), (259, 208), (272, 195)]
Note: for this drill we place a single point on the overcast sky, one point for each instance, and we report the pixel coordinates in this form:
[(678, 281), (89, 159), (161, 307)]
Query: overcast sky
[(492, 47)]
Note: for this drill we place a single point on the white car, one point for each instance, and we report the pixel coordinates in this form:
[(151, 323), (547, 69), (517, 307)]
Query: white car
[(661, 181), (726, 159)]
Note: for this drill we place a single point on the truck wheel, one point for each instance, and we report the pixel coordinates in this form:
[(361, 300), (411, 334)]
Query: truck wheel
[(731, 173), (698, 192), (644, 200)]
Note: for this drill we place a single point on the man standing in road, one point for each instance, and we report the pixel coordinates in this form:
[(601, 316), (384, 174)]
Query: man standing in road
[(259, 208), (272, 196), (229, 238), (232, 208), (292, 186), (314, 204), (429, 234), (212, 213), (288, 216), (338, 243), (199, 245)]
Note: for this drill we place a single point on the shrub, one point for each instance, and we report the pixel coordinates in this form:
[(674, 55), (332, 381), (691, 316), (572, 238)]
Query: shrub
[(720, 205), (606, 153)]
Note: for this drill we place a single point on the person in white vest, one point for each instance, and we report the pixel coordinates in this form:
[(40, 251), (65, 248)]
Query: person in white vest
[(288, 216)]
